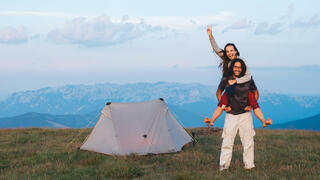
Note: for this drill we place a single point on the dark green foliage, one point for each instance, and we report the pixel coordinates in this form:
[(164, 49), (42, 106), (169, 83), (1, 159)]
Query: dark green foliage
[(53, 154)]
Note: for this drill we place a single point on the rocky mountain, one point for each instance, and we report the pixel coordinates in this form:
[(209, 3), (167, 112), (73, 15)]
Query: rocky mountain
[(81, 99), (192, 102)]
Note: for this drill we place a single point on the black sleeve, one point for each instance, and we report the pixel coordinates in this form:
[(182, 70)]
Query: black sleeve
[(223, 84), (253, 86)]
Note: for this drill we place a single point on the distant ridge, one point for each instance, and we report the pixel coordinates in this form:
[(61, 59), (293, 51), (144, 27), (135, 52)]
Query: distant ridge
[(191, 102), (42, 120), (82, 99), (310, 123), (186, 118)]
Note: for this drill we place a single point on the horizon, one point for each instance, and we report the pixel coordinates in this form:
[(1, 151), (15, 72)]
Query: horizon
[(78, 42), (289, 80), (3, 96)]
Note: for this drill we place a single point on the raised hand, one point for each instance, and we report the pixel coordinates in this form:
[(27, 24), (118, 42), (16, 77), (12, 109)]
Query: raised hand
[(209, 31)]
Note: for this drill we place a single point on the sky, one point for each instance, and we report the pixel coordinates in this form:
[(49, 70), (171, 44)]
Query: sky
[(53, 43)]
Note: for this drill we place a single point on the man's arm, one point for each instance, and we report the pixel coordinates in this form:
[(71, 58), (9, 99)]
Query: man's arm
[(222, 85)]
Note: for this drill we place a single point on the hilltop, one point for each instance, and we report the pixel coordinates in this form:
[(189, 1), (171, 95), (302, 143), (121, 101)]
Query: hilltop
[(53, 154)]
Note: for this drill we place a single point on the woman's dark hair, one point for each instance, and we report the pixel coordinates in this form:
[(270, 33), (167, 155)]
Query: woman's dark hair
[(225, 60), (243, 67)]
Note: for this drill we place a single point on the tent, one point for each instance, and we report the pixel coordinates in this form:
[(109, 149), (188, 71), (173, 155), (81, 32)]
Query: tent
[(136, 128)]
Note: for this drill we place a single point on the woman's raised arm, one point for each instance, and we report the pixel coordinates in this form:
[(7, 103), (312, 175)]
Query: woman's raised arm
[(245, 78), (214, 45)]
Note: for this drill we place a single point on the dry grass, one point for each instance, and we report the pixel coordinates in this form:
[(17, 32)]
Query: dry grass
[(53, 154)]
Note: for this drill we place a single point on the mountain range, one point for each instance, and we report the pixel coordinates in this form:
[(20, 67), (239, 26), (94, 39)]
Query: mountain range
[(190, 103), (310, 123)]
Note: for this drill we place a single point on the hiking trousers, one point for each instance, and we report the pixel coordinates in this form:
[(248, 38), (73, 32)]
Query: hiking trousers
[(242, 122)]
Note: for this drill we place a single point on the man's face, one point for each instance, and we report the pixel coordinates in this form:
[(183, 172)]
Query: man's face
[(237, 69), (231, 52)]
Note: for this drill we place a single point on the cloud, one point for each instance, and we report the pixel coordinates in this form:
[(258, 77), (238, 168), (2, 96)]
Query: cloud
[(187, 23), (40, 13), (100, 31), (311, 22), (179, 23), (176, 66), (288, 14), (242, 24), (266, 28), (14, 35)]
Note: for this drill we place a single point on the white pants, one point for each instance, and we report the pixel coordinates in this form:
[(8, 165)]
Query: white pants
[(232, 123)]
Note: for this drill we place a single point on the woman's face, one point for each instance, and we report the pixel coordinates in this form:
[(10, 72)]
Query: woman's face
[(231, 52)]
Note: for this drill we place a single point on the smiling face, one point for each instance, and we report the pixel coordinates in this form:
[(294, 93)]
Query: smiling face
[(231, 52), (237, 69)]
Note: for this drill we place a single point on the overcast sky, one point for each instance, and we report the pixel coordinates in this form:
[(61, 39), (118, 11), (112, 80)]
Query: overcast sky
[(40, 38)]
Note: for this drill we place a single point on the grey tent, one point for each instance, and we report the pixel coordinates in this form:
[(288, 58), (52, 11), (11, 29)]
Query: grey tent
[(139, 128)]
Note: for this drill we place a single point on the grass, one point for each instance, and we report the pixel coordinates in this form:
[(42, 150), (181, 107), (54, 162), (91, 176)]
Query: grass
[(53, 154)]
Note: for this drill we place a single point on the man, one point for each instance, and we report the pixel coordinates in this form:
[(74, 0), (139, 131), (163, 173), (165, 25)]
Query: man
[(237, 118)]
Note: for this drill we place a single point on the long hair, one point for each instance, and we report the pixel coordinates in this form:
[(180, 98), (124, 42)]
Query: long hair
[(225, 60), (243, 67)]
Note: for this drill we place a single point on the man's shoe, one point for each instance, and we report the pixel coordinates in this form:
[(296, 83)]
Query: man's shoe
[(221, 168), (249, 168)]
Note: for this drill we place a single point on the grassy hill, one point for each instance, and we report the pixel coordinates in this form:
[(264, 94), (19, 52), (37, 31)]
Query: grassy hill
[(53, 154)]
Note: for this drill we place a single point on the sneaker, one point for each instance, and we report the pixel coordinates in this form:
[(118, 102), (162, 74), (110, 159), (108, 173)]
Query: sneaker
[(206, 120), (221, 168), (267, 123), (249, 168)]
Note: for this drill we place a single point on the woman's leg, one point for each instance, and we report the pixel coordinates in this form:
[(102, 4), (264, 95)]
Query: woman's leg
[(252, 100), (221, 105), (257, 111), (223, 101)]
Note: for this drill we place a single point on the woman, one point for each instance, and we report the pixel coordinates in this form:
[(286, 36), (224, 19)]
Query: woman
[(230, 53)]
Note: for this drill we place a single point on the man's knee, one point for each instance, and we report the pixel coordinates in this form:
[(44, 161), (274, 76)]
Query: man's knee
[(227, 145), (247, 142)]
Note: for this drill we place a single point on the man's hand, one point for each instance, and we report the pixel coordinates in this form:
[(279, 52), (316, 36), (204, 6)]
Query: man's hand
[(209, 31), (231, 82), (247, 108), (227, 109)]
